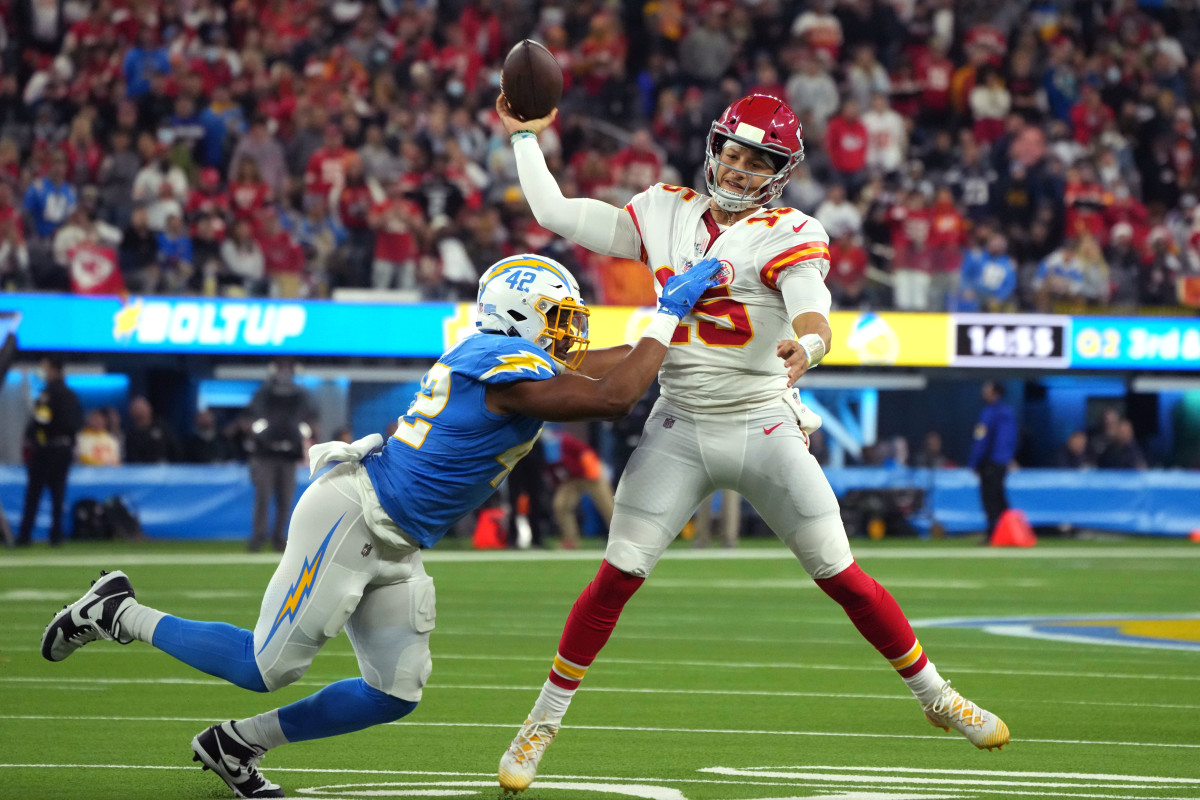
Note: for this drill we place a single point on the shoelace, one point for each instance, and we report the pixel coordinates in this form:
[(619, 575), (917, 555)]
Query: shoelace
[(966, 712), (536, 737)]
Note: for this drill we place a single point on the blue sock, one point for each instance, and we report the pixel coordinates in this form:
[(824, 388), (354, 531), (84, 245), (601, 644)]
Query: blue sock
[(217, 648), (342, 707)]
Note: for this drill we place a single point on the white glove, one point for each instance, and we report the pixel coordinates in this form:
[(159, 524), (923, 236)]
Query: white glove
[(321, 454), (808, 419)]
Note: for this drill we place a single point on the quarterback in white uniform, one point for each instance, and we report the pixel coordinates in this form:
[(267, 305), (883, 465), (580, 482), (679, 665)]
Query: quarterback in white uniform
[(729, 417)]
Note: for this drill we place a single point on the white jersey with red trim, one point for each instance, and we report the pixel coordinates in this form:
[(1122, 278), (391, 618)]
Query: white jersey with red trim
[(722, 356)]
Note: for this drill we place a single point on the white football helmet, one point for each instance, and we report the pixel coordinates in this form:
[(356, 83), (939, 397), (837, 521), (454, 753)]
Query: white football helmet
[(537, 299)]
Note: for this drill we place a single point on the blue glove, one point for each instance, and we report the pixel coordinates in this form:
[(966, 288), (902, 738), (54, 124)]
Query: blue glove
[(681, 292)]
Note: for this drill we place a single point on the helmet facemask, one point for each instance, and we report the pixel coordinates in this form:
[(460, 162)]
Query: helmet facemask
[(781, 158), (565, 335)]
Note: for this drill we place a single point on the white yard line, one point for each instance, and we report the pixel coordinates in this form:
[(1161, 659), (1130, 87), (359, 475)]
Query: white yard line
[(830, 779), (628, 729), (949, 667), (97, 683)]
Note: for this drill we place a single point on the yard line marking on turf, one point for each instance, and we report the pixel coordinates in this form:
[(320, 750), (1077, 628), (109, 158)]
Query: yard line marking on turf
[(805, 774), (1166, 552), (68, 683), (730, 771), (822, 667), (997, 773), (848, 786), (636, 662), (629, 729)]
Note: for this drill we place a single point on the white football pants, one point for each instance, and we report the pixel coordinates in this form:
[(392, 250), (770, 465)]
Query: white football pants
[(334, 573), (762, 454)]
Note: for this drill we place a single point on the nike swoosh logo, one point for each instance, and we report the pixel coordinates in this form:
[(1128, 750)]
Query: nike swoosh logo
[(81, 612), (768, 431), (796, 228)]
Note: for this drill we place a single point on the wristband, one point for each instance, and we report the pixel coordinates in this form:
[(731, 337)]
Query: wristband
[(661, 328), (814, 346), (516, 136)]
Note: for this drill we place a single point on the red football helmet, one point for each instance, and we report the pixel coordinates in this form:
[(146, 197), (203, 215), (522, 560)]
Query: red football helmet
[(762, 122)]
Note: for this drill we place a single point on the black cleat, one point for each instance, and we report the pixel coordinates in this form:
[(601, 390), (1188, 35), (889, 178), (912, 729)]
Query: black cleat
[(223, 750), (94, 616)]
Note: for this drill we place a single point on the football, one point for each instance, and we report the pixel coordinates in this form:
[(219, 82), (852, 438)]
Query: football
[(531, 80)]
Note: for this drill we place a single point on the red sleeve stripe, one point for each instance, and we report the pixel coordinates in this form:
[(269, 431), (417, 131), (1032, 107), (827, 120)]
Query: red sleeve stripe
[(794, 254), (638, 227), (805, 252)]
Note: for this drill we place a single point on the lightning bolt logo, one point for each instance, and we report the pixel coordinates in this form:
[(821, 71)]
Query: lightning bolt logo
[(125, 321), (518, 362), (303, 586)]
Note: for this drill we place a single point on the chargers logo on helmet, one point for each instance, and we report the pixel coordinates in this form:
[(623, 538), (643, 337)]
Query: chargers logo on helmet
[(537, 299)]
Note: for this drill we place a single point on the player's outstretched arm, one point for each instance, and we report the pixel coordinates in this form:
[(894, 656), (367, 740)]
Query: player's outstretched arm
[(572, 397), (597, 363), (594, 224)]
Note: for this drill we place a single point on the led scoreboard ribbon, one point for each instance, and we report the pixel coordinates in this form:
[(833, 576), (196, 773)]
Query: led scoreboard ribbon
[(52, 323), (1011, 340)]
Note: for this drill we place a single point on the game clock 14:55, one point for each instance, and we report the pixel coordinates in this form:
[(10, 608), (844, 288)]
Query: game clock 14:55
[(985, 340)]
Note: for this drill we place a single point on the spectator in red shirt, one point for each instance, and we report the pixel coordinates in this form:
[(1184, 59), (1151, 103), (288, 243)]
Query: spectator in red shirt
[(910, 223), (934, 71), (399, 229), (1090, 115), (847, 271), (327, 166), (1085, 200), (638, 164), (213, 63), (248, 193), (94, 29), (846, 142), (353, 199), (458, 63), (601, 59), (283, 258), (83, 153), (947, 238), (593, 173), (207, 200)]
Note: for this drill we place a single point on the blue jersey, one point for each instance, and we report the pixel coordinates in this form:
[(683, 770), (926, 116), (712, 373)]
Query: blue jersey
[(995, 435), (450, 452)]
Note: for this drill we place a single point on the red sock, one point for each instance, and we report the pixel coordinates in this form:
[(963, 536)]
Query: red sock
[(878, 618), (590, 623)]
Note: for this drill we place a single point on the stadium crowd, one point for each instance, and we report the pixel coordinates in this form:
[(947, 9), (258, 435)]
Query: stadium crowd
[(962, 155)]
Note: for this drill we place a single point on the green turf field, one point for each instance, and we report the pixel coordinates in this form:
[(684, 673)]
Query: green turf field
[(727, 678)]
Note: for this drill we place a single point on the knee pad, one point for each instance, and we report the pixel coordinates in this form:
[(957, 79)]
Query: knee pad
[(628, 559), (289, 667), (821, 546), (409, 669)]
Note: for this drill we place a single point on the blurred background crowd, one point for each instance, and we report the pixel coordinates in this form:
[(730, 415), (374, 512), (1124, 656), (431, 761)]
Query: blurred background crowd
[(962, 155)]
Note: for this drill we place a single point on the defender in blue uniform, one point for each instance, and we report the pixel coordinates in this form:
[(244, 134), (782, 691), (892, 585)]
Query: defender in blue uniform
[(353, 557)]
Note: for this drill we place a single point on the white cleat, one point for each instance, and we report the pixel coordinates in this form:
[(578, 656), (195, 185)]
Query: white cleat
[(981, 727), (519, 764)]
